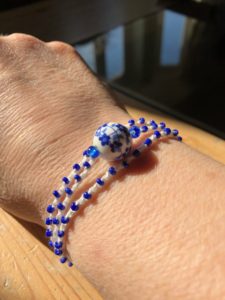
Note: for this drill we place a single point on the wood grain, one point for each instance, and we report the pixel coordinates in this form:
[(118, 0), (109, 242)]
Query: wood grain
[(29, 270)]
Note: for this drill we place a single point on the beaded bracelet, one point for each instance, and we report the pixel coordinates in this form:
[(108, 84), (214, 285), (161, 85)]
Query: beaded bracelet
[(113, 142)]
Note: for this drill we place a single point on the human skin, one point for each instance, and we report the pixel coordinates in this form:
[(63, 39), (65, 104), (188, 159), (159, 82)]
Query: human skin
[(157, 230)]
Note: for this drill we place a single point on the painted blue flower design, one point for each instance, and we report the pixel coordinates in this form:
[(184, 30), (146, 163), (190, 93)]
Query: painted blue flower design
[(101, 130), (116, 146), (104, 138), (125, 131)]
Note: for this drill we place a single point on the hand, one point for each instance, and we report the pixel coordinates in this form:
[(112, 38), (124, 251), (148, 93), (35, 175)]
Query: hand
[(50, 105)]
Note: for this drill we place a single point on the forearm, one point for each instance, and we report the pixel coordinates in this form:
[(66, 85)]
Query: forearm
[(157, 232), (157, 229)]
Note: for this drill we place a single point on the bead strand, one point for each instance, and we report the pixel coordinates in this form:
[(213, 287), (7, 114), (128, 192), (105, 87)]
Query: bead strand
[(156, 135), (75, 206), (58, 231), (79, 171), (113, 142), (112, 171), (136, 130), (58, 194), (55, 220)]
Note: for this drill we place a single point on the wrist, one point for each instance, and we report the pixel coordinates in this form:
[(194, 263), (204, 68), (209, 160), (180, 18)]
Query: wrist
[(144, 223), (68, 152), (118, 229)]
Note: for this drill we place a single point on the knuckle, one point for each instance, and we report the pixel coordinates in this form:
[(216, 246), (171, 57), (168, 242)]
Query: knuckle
[(61, 47), (25, 39)]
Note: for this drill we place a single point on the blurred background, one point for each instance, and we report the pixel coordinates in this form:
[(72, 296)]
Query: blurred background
[(168, 54)]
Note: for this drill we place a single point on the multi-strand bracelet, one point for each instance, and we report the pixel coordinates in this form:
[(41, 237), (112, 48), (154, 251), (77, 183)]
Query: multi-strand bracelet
[(113, 142)]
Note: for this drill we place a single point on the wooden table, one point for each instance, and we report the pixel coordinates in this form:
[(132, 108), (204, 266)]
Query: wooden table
[(29, 270)]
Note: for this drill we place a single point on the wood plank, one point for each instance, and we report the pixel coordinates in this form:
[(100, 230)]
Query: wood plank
[(29, 270)]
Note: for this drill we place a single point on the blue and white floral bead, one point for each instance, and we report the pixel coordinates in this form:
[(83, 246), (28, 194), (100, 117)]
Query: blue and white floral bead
[(113, 141)]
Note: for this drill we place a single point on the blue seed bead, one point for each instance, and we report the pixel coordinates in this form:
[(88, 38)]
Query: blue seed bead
[(100, 181), (144, 128), (134, 132), (65, 180), (74, 206), (179, 138), (50, 243), (58, 245), (162, 125), (48, 232), (153, 124), (85, 153), (131, 122), (93, 152), (48, 221), (50, 209), (125, 164), (60, 233), (86, 164), (148, 142), (157, 134), (58, 251), (87, 195), (167, 131), (112, 171), (70, 264), (65, 220), (136, 153), (68, 191), (142, 120), (63, 259), (77, 177), (60, 206), (175, 132), (56, 194), (76, 167), (55, 221)]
